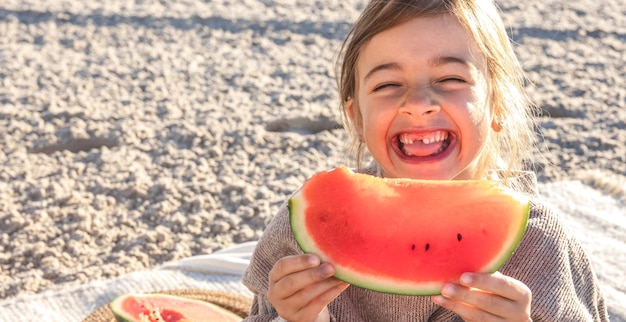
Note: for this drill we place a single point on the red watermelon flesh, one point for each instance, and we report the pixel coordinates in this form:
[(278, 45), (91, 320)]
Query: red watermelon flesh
[(168, 308), (407, 236)]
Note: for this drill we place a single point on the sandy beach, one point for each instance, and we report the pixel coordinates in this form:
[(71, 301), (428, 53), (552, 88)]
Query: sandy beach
[(136, 134)]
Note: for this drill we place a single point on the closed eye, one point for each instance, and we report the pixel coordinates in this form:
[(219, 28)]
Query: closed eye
[(451, 84), (384, 86), (453, 79)]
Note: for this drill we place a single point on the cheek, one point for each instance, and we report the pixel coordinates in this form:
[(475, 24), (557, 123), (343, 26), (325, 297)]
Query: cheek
[(368, 127), (478, 109), (481, 104), (479, 117), (480, 120), (473, 118), (374, 129)]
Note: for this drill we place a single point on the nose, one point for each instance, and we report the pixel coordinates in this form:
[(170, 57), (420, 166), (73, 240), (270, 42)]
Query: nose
[(420, 102)]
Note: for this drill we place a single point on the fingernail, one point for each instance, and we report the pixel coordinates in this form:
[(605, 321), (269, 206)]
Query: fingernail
[(447, 290), (326, 270), (438, 299), (466, 278), (313, 260)]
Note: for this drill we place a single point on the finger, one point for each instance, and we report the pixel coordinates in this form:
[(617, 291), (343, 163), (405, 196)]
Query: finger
[(467, 312), (295, 282), (298, 281), (291, 264), (476, 304), (315, 291), (496, 283), (319, 298), (495, 294), (307, 302)]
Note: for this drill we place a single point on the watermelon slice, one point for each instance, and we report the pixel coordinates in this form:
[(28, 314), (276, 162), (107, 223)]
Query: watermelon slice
[(168, 308), (407, 236)]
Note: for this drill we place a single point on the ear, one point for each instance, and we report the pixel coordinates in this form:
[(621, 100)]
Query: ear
[(350, 109), (355, 118)]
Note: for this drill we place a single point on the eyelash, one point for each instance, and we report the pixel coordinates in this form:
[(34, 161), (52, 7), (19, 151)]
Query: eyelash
[(455, 79), (383, 86), (450, 79)]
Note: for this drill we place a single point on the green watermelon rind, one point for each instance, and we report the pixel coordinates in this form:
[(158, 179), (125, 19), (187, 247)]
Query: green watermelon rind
[(297, 205), (516, 240), (122, 316)]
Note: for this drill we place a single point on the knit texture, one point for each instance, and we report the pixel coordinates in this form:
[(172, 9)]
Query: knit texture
[(548, 260)]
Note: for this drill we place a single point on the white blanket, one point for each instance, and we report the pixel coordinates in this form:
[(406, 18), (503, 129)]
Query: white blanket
[(220, 271), (598, 221)]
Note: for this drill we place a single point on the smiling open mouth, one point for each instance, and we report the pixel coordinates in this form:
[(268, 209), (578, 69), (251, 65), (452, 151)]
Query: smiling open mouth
[(423, 145)]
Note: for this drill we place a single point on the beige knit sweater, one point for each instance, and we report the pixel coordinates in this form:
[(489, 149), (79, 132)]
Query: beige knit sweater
[(548, 260)]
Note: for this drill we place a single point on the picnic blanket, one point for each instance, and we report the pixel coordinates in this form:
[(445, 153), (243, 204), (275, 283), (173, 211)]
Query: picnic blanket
[(220, 271)]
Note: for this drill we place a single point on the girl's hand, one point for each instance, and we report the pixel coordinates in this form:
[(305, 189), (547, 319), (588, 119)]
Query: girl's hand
[(300, 288), (487, 297)]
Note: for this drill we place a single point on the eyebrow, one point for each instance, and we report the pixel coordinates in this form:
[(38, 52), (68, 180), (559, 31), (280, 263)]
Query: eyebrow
[(442, 60), (392, 66), (434, 62)]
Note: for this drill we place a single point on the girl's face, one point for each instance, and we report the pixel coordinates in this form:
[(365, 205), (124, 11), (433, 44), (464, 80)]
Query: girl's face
[(423, 97)]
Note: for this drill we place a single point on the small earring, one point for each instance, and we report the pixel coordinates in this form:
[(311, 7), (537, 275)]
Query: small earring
[(497, 125)]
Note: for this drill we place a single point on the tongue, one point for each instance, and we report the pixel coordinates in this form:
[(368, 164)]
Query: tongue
[(420, 149)]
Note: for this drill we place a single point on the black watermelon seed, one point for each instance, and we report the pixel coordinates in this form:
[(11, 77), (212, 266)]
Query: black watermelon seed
[(413, 247), (459, 237), (427, 247)]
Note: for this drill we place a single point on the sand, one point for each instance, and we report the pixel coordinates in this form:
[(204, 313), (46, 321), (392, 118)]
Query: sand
[(135, 134)]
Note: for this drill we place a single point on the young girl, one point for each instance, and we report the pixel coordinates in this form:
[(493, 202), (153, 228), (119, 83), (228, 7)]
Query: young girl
[(433, 90)]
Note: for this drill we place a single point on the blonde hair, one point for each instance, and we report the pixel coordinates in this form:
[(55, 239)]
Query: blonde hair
[(510, 105)]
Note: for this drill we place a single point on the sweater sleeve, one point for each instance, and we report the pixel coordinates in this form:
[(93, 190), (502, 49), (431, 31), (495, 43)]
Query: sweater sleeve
[(276, 242), (557, 270)]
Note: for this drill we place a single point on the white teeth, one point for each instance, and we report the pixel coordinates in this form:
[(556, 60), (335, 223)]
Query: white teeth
[(405, 139), (433, 137)]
